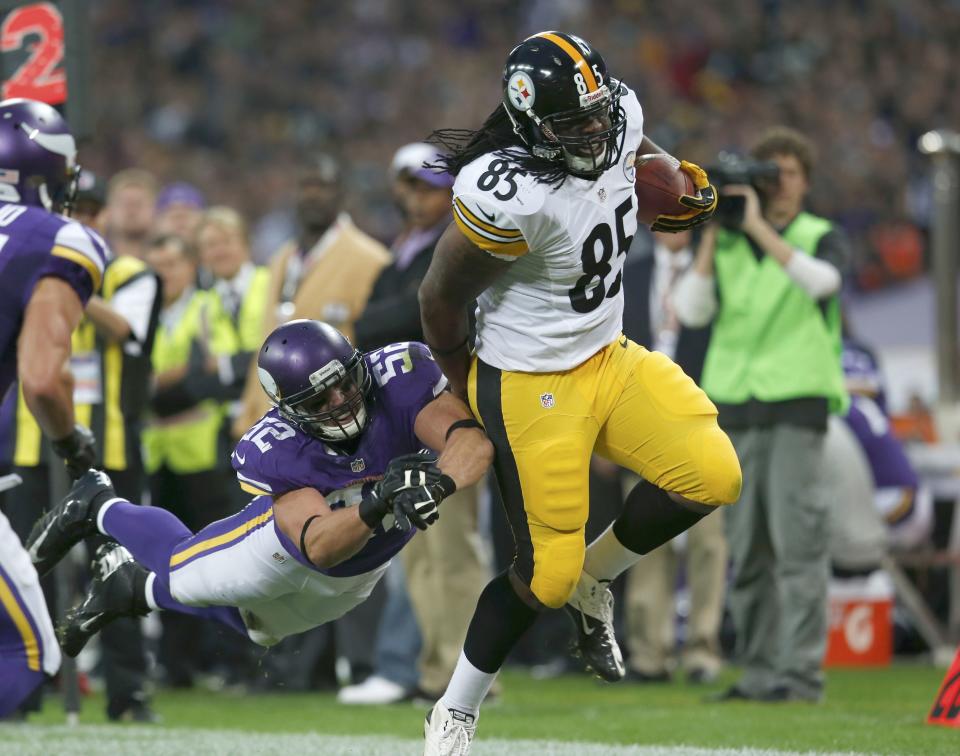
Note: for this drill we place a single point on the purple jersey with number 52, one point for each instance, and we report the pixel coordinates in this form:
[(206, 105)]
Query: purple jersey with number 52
[(275, 456), (35, 243)]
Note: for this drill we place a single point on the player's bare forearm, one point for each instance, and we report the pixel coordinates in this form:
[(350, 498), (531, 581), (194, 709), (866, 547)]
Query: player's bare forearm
[(108, 322), (331, 537), (467, 456), (467, 452), (43, 355), (459, 272)]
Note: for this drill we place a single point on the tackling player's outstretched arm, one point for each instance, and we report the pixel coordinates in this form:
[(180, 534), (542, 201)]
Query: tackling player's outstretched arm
[(459, 272), (325, 536), (43, 355), (446, 424), (416, 484)]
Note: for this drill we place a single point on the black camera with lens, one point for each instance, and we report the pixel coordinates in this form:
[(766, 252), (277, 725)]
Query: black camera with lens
[(732, 169)]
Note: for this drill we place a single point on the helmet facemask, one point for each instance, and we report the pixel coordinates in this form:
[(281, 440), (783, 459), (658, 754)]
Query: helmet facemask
[(334, 407), (588, 139)]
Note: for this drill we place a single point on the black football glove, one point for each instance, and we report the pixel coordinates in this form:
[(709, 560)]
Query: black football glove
[(373, 508), (415, 486), (702, 204), (78, 450), (401, 472)]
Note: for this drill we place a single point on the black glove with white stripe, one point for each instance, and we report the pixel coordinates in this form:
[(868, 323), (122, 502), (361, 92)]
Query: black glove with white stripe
[(415, 486)]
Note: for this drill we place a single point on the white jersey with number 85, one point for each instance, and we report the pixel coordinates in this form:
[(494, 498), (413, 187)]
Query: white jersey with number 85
[(561, 300)]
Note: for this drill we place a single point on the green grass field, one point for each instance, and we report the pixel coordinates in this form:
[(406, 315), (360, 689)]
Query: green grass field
[(867, 711)]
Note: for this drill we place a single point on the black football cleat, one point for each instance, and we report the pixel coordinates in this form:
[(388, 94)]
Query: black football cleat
[(118, 589), (591, 607), (72, 520)]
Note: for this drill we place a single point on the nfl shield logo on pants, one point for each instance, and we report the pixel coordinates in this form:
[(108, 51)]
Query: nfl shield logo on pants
[(546, 400), (358, 465)]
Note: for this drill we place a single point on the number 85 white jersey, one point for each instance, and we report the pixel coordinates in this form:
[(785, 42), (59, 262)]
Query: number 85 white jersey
[(561, 300)]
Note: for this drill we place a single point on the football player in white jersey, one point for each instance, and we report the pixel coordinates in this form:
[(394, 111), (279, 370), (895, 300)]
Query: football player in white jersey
[(545, 210)]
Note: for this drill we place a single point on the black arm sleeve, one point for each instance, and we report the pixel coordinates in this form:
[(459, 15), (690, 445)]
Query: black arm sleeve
[(834, 248)]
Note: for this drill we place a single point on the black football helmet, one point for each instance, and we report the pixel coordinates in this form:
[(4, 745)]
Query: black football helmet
[(563, 104)]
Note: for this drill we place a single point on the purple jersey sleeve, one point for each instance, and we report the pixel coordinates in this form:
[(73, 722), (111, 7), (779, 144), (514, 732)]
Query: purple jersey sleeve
[(888, 460), (861, 371), (35, 244), (78, 256), (270, 458), (408, 379)]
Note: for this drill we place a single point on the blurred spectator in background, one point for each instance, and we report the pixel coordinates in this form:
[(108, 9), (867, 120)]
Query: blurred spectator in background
[(863, 86), (769, 277), (392, 312), (187, 453), (235, 312), (90, 202), (650, 591), (326, 273), (179, 210), (902, 501), (130, 211), (111, 367), (446, 569)]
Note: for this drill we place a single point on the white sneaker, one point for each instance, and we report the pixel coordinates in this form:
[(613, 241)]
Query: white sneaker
[(373, 690), (448, 732)]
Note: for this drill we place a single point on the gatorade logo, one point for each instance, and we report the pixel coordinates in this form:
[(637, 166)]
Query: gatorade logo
[(858, 628)]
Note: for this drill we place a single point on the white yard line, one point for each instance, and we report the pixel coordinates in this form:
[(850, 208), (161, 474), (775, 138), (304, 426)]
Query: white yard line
[(93, 740)]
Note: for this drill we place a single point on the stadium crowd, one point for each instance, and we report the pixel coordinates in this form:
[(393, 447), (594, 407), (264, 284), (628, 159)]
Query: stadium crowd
[(227, 97)]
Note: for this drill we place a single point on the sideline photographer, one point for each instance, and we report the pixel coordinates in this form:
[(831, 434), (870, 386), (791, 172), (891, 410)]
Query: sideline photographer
[(769, 276)]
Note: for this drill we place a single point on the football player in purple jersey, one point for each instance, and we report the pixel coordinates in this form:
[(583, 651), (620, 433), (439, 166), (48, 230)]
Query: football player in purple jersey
[(341, 477), (905, 504), (49, 268)]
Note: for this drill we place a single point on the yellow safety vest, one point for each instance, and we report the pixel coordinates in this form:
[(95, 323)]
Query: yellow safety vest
[(229, 337), (185, 442)]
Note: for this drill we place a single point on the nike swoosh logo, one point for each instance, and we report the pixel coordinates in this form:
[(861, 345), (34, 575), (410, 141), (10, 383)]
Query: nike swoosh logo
[(39, 542), (587, 630), (87, 624), (487, 215), (242, 460)]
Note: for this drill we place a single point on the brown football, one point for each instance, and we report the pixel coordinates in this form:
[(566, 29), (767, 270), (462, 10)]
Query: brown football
[(659, 185)]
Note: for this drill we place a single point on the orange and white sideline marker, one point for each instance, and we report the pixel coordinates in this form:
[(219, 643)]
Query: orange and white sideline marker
[(946, 706)]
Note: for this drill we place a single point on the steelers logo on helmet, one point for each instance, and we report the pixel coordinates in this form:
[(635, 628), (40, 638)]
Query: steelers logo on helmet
[(521, 91), (629, 169)]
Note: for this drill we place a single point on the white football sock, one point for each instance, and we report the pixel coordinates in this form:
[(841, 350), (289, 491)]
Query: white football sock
[(468, 687), (607, 557), (103, 510), (151, 601)]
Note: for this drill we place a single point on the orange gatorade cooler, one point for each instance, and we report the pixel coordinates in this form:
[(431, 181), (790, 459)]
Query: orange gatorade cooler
[(860, 622)]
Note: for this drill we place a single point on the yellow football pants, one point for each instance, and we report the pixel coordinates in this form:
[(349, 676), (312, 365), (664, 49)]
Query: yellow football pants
[(632, 406)]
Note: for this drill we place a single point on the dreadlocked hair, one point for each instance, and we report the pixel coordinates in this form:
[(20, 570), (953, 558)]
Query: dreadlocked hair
[(462, 146)]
